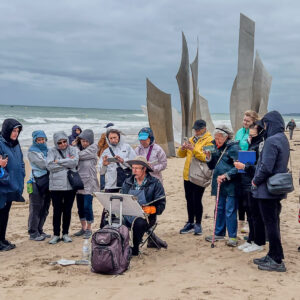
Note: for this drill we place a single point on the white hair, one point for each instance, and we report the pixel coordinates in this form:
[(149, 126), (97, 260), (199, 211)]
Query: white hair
[(224, 130)]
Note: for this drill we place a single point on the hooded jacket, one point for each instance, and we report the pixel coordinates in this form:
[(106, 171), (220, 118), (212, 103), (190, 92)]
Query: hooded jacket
[(225, 166), (157, 159), (87, 164), (15, 166), (122, 149), (58, 180), (37, 154), (205, 140), (274, 156), (74, 135)]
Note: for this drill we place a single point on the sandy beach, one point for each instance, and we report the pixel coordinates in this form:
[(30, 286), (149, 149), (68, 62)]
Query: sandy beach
[(188, 269)]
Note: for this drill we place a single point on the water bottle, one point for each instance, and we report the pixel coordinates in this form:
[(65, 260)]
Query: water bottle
[(86, 250), (29, 186)]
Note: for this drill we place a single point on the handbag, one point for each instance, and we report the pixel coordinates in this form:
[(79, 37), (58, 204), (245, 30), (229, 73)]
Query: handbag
[(74, 178), (281, 183), (42, 183), (122, 174), (199, 173)]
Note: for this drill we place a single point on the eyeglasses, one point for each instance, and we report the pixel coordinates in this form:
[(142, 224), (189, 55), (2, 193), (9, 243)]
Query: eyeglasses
[(62, 142)]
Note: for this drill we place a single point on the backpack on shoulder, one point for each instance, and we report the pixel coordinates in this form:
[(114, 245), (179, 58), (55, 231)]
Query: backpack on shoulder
[(111, 251)]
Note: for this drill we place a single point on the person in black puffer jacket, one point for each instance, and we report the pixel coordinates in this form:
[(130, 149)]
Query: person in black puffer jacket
[(151, 196), (256, 237), (273, 159)]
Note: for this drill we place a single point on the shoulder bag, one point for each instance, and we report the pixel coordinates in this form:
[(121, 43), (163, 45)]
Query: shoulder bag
[(74, 178)]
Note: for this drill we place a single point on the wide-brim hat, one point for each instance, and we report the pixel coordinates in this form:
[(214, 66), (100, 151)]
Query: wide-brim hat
[(140, 160)]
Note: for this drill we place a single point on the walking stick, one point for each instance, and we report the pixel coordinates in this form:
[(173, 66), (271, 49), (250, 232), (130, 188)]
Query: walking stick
[(215, 217)]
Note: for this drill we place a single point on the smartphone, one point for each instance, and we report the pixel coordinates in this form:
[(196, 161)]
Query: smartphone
[(210, 148), (4, 156), (186, 140), (112, 160)]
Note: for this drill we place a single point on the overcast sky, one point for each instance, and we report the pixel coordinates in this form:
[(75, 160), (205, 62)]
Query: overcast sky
[(98, 53)]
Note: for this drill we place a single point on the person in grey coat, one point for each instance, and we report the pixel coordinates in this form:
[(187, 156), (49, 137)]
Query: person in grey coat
[(40, 196), (60, 159), (87, 170)]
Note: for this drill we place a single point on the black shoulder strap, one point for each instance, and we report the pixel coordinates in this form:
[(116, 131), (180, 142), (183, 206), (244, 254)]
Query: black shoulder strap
[(61, 154)]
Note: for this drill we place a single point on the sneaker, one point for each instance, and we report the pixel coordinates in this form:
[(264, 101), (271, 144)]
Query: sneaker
[(197, 229), (188, 227), (232, 242), (80, 232), (37, 238), (272, 265), (262, 260), (8, 243), (209, 238), (55, 239), (87, 234), (244, 246), (47, 236), (66, 238), (4, 247), (253, 248)]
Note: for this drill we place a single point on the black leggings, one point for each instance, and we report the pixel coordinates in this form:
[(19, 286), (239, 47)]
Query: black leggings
[(193, 195), (4, 214), (62, 206)]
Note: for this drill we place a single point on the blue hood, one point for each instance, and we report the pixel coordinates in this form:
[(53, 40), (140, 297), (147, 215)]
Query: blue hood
[(35, 147)]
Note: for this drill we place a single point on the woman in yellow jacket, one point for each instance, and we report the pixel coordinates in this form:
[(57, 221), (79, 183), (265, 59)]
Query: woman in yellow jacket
[(193, 192)]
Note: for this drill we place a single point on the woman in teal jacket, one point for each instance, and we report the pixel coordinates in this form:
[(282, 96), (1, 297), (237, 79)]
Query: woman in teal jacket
[(242, 136)]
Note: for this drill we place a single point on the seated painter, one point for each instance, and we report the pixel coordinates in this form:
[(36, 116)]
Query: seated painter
[(151, 196)]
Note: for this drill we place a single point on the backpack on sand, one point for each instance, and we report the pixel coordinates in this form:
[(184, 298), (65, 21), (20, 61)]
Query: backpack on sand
[(111, 252)]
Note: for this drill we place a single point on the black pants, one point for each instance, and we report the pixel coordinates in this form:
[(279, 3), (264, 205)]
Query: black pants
[(38, 211), (4, 214), (117, 190), (257, 226), (193, 195), (270, 210), (62, 206), (291, 133), (242, 205)]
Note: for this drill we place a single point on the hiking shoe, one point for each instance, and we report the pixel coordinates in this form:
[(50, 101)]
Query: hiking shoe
[(197, 229), (244, 246), (66, 238), (8, 243), (232, 242), (87, 234), (37, 238), (47, 236), (80, 232), (55, 239), (4, 247), (253, 248), (209, 238), (188, 227), (272, 265), (262, 260)]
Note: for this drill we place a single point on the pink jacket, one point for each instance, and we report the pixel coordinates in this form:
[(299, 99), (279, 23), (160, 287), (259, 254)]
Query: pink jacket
[(158, 159)]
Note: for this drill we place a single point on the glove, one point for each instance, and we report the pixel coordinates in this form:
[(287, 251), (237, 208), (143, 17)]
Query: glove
[(149, 210)]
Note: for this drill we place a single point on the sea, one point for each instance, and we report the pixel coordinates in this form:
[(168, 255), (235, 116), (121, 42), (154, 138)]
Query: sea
[(52, 119)]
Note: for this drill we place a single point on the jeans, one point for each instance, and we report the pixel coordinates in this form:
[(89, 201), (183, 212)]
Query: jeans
[(227, 216), (85, 207), (270, 210), (62, 207), (4, 214), (38, 211), (193, 195)]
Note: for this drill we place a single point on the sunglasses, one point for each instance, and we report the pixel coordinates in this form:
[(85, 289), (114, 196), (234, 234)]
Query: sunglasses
[(62, 142)]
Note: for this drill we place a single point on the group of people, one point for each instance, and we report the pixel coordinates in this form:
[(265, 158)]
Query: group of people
[(76, 156), (238, 186)]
